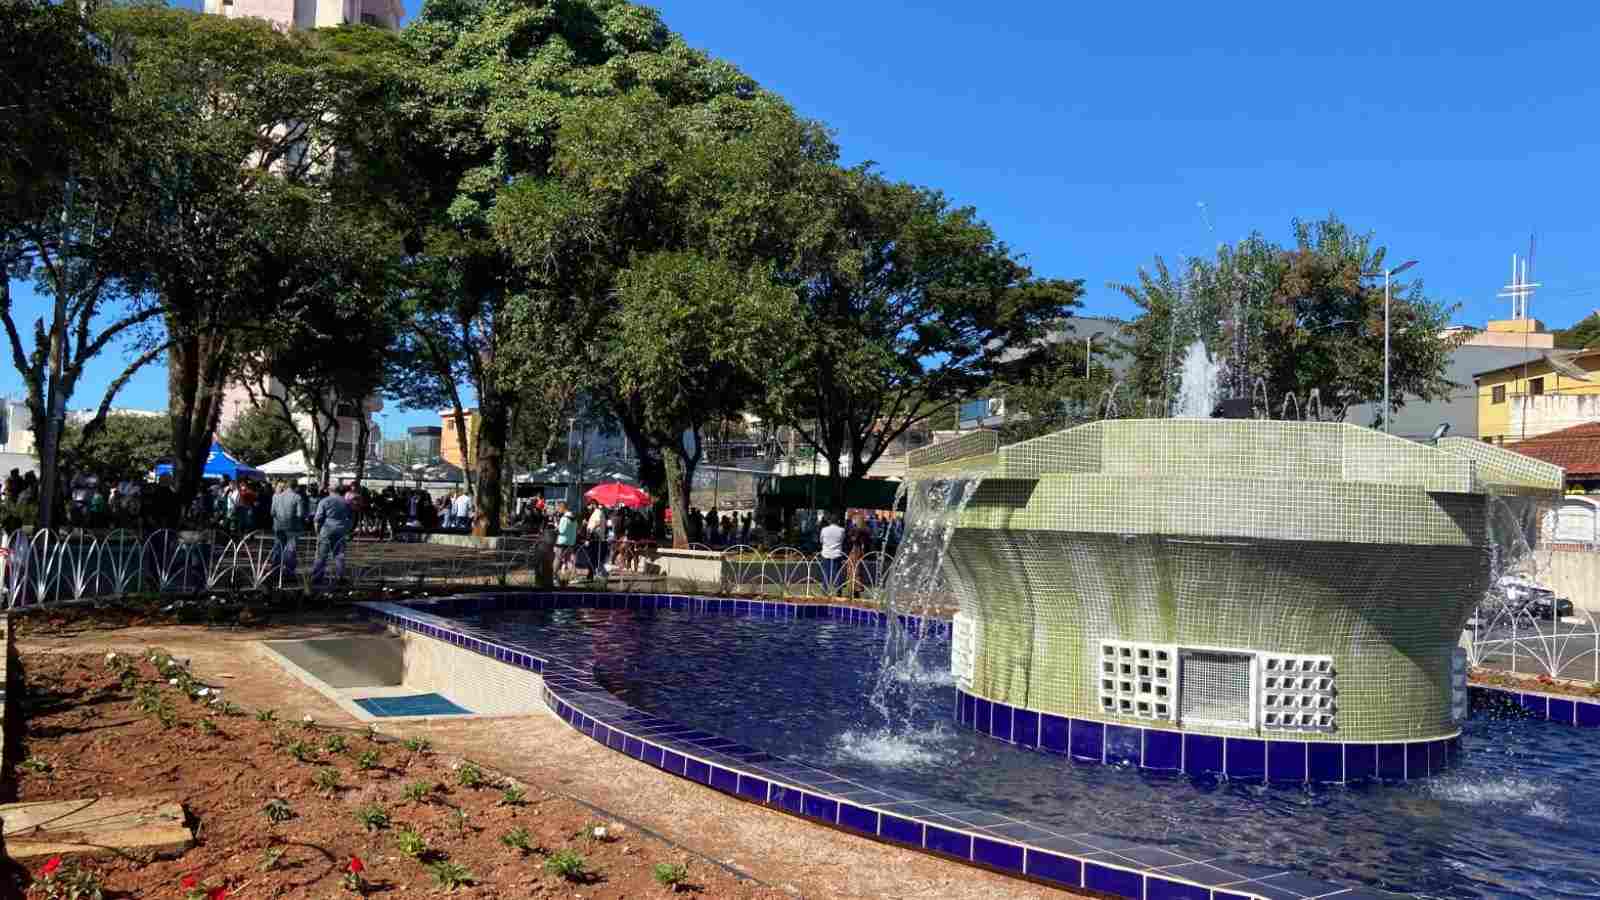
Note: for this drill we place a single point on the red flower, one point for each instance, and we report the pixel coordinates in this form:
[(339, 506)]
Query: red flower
[(189, 882), (50, 867), (355, 865), (218, 893)]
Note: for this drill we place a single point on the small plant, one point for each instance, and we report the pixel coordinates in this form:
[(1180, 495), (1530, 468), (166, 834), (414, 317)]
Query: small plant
[(271, 858), (518, 839), (128, 679), (373, 817), (335, 743), (513, 796), (459, 817), (266, 715), (69, 881), (277, 810), (416, 744), (194, 889), (352, 876), (449, 875), (410, 843), (207, 726), (229, 709), (368, 759), (469, 775), (37, 765), (326, 780), (148, 698), (568, 864), (670, 875), (301, 751), (418, 791)]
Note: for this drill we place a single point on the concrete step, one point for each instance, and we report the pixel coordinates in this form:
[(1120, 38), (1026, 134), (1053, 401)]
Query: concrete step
[(96, 827)]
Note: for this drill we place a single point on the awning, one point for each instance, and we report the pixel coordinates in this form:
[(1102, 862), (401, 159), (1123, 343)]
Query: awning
[(798, 491), (218, 463)]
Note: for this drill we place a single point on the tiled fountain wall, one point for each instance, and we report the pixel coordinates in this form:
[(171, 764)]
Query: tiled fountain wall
[(1322, 545)]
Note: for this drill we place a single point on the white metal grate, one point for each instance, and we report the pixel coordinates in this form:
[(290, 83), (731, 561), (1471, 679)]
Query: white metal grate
[(1215, 688), (1298, 693), (1136, 680)]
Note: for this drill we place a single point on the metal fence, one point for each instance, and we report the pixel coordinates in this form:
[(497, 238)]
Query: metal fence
[(1525, 640)]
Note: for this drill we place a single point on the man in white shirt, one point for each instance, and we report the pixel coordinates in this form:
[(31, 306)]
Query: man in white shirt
[(832, 554), (462, 510), (597, 541)]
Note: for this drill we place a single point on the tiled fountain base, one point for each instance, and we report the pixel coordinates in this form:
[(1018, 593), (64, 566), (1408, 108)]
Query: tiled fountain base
[(1563, 709), (1072, 860)]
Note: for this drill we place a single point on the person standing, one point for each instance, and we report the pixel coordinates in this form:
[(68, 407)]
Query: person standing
[(597, 541), (463, 510), (334, 519), (566, 537), (288, 520), (832, 554)]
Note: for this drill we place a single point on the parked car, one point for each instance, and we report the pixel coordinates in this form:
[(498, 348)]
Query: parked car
[(1523, 595)]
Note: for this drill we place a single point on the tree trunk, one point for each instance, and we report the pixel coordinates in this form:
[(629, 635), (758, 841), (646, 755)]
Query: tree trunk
[(363, 432), (194, 393), (677, 497), (494, 415)]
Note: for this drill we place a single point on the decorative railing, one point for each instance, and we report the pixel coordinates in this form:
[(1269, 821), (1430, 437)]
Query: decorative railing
[(1534, 639)]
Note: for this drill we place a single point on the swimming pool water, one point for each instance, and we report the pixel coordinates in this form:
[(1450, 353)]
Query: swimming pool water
[(1513, 819)]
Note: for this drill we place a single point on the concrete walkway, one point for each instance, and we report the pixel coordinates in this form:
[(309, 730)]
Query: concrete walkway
[(779, 850)]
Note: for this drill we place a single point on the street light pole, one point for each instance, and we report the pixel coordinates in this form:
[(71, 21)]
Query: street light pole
[(1088, 353), (1388, 275)]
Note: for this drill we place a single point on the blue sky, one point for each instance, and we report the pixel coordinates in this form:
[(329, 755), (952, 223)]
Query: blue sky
[(1088, 133)]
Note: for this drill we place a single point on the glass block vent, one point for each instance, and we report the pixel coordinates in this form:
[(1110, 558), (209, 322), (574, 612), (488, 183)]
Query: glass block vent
[(1215, 688), (1137, 680), (1297, 693)]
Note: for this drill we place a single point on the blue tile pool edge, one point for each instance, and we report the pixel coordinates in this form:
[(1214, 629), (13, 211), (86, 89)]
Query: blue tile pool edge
[(1562, 709), (1069, 861)]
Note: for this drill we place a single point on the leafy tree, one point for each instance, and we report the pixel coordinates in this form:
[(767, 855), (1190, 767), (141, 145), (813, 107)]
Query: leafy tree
[(1584, 333), (909, 305), (1292, 320), (689, 340), (67, 180), (259, 436), (125, 446), (1056, 387)]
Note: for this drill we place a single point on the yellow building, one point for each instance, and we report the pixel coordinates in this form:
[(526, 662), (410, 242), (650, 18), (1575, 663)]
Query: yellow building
[(1559, 390), (450, 449)]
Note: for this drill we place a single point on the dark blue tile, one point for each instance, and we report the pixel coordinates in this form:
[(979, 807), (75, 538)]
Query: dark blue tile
[(965, 705), (905, 831), (1436, 753), (824, 808), (981, 715), (601, 733), (788, 799), (1360, 762), (1588, 714), (1053, 733), (950, 843), (1025, 728), (1000, 726), (1246, 759), (1299, 885), (1088, 740), (695, 770), (1392, 762), (1535, 704), (997, 855), (858, 818), (1202, 754), (1124, 744), (1157, 888), (633, 747), (1561, 711), (1062, 870), (1417, 759), (1227, 895), (753, 788), (1286, 761), (1325, 761), (616, 739), (1113, 881), (651, 754), (1163, 749)]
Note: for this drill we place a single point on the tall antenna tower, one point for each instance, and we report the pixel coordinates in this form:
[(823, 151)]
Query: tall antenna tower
[(1521, 289)]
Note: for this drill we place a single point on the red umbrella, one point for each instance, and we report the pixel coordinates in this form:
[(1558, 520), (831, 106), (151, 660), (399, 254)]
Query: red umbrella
[(616, 493)]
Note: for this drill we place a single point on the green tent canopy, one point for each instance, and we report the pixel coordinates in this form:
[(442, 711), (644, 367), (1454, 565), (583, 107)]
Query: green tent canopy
[(797, 492)]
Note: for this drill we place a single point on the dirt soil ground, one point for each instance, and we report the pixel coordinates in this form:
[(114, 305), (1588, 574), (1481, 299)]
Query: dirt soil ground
[(1542, 684), (89, 738)]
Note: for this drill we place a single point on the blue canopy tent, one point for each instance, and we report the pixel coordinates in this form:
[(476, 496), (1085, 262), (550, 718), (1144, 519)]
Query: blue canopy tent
[(219, 463)]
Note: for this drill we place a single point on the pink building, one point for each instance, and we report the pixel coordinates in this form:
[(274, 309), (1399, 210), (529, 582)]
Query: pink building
[(313, 13)]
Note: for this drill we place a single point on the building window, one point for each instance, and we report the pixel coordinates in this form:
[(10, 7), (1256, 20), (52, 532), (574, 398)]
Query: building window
[(1536, 386), (1498, 394)]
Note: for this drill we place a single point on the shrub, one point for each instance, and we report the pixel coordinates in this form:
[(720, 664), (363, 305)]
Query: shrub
[(326, 780), (69, 881), (37, 765), (449, 875), (207, 726), (301, 751), (277, 810), (567, 864), (410, 843), (416, 744), (518, 839), (418, 791), (373, 817), (513, 796), (469, 775), (670, 875), (335, 743), (368, 760), (266, 715), (270, 857)]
